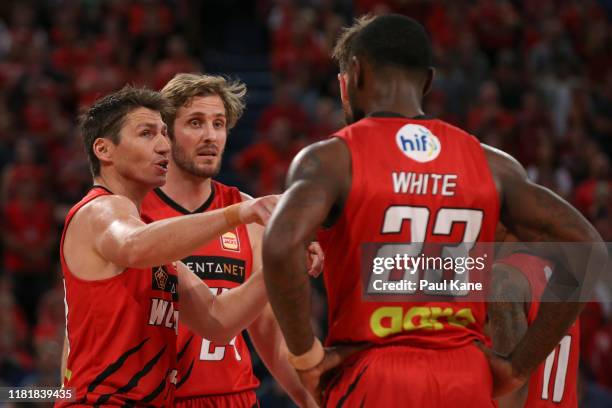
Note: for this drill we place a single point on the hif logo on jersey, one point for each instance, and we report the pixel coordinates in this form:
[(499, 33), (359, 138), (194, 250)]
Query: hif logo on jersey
[(418, 143)]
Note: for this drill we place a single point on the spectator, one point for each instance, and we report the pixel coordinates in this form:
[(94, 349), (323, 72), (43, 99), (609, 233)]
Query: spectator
[(28, 239), (265, 164)]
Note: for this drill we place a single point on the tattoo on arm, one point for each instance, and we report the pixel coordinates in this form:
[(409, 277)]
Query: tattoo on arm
[(507, 315)]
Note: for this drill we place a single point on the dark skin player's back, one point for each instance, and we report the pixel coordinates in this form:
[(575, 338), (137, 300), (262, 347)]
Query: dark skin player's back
[(318, 185)]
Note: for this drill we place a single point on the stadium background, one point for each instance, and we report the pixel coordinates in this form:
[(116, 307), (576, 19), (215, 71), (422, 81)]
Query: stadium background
[(531, 77)]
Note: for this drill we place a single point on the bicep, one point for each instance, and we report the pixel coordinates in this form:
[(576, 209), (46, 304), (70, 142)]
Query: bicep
[(313, 187), (532, 212), (113, 222)]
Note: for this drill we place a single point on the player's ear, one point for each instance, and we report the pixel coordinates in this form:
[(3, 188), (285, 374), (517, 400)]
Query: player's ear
[(357, 72), (103, 148), (342, 82), (428, 80)]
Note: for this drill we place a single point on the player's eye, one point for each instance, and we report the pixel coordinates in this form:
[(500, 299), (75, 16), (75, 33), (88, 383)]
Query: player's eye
[(146, 133), (219, 124), (195, 122)]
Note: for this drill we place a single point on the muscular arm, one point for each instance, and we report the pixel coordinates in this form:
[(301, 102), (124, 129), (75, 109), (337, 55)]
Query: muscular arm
[(219, 318), (535, 214), (120, 237), (508, 320), (318, 180), (268, 339)]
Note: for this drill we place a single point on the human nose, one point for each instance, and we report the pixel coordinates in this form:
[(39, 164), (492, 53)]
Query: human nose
[(163, 145)]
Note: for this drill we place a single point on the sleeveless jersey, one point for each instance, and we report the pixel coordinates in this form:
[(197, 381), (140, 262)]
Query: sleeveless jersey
[(207, 368), (121, 333), (413, 181), (553, 383)]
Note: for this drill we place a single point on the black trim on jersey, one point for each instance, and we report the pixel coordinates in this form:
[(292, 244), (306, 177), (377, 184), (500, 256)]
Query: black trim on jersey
[(102, 187), (351, 388), (114, 366), (184, 349), (186, 376), (166, 199), (150, 397), (389, 114), (135, 378)]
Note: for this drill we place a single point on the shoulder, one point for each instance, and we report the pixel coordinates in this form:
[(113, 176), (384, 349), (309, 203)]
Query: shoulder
[(105, 209), (501, 163), (322, 158)]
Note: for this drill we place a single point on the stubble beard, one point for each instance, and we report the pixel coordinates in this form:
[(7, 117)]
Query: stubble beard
[(187, 164)]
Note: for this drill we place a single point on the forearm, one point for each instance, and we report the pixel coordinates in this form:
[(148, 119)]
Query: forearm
[(168, 240), (270, 345), (233, 311), (289, 293), (551, 324)]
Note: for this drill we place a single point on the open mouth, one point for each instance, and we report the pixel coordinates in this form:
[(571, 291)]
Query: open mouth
[(162, 164)]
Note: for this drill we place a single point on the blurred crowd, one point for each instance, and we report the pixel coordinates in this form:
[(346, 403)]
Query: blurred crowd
[(530, 77)]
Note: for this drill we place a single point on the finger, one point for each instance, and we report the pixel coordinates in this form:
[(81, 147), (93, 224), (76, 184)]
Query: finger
[(316, 266), (336, 355), (316, 249)]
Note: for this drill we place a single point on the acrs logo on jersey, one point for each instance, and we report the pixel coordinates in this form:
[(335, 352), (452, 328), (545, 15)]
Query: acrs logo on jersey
[(418, 143), (230, 241)]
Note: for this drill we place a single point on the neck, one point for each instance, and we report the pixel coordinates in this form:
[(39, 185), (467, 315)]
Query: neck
[(185, 189), (134, 191), (394, 95)]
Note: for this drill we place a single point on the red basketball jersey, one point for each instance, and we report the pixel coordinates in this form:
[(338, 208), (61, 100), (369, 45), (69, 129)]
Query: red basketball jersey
[(413, 181), (121, 333), (206, 368), (553, 384)]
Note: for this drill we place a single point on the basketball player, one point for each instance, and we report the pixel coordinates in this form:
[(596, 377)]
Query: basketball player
[(122, 287), (213, 374), (517, 284), (396, 175)]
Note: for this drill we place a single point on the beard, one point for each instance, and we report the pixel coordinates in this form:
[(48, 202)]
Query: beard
[(186, 163), (352, 113)]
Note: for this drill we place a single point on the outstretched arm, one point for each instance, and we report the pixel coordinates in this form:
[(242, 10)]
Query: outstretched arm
[(126, 241), (219, 318), (316, 182), (535, 214), (510, 294)]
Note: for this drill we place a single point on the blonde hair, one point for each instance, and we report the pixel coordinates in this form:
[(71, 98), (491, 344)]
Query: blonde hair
[(183, 87)]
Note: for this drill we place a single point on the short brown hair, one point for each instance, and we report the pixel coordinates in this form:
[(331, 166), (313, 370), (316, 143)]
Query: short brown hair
[(107, 115), (180, 89)]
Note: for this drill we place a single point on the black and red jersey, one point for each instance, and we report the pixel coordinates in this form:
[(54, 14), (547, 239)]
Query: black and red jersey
[(207, 368), (414, 181), (121, 333)]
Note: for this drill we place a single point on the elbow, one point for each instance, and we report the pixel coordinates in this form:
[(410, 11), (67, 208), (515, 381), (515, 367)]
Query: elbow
[(215, 333), (134, 253), (221, 336), (276, 251)]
